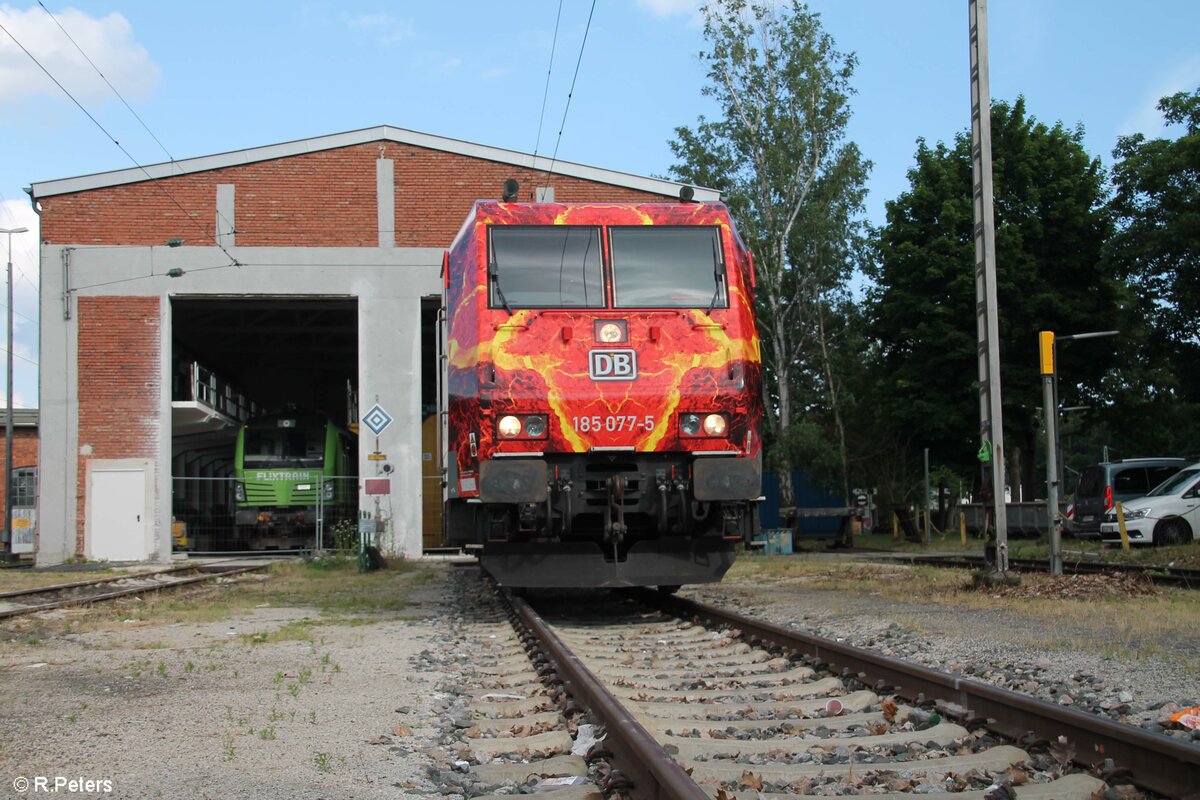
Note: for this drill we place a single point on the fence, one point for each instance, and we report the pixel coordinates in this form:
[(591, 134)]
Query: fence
[(304, 515)]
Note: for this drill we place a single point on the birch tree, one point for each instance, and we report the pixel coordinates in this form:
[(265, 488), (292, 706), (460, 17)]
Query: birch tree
[(776, 148)]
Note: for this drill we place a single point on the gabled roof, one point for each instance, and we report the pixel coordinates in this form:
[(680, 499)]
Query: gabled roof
[(101, 180)]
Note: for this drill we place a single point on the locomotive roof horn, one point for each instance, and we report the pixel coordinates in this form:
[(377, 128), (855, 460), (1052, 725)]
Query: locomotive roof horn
[(511, 189), (686, 193)]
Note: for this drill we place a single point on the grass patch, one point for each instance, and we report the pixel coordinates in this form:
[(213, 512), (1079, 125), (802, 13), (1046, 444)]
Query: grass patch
[(12, 580), (332, 586), (1106, 624)]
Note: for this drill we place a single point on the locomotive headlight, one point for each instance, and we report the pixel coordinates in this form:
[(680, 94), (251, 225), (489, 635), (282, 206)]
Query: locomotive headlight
[(509, 427), (612, 331), (535, 427), (689, 424), (239, 492), (714, 425)]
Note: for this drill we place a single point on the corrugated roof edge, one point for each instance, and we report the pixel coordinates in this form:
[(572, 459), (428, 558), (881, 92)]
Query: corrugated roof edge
[(101, 180), (22, 417)]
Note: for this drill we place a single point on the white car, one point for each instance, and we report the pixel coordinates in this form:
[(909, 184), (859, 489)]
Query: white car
[(1169, 514)]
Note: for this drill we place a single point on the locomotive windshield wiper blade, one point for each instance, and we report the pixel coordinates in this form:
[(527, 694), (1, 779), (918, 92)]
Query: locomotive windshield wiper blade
[(718, 268), (500, 296), (495, 279), (716, 296)]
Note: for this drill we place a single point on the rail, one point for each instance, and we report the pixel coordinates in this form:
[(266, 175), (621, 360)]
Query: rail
[(208, 573), (636, 753), (1156, 762)]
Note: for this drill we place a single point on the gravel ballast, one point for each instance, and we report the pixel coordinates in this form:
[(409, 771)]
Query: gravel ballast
[(281, 702)]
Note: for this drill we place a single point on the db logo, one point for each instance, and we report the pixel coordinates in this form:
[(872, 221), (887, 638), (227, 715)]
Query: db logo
[(612, 365)]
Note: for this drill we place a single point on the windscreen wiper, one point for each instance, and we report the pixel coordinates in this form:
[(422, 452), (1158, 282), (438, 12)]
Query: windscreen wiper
[(718, 271), (495, 279)]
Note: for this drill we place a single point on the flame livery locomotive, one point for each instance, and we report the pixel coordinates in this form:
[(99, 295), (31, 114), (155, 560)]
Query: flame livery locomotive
[(602, 393)]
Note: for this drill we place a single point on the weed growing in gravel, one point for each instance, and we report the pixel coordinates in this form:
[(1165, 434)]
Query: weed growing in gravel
[(294, 690), (162, 669), (229, 753), (267, 734), (189, 667), (322, 760)]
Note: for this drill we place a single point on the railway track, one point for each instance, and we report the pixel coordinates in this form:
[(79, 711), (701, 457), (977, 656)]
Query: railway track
[(1159, 574), (696, 702), (97, 590)]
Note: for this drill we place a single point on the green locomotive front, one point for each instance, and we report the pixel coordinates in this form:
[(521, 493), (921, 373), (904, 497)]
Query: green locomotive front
[(294, 473)]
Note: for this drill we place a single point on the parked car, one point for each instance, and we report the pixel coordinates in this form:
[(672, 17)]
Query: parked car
[(1169, 514), (1102, 485)]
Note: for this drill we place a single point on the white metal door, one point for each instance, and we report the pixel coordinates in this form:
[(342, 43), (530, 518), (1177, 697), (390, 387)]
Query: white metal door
[(117, 515)]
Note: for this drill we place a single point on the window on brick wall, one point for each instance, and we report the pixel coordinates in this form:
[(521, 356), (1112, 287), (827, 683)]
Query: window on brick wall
[(24, 487)]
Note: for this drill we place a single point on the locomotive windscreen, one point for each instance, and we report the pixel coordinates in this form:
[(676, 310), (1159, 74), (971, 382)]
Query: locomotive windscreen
[(545, 267), (657, 266), (285, 447)]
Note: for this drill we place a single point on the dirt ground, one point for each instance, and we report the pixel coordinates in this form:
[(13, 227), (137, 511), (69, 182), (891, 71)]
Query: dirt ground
[(326, 684), (272, 702)]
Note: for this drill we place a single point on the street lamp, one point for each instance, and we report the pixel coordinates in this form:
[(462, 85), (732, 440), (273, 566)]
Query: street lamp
[(8, 422), (1054, 468)]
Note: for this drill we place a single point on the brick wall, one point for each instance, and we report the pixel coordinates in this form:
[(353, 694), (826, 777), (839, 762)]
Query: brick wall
[(120, 385), (323, 199)]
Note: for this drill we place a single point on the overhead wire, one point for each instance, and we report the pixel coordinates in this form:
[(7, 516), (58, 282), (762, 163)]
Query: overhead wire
[(546, 91), (154, 180), (146, 127), (18, 355), (23, 245), (571, 93)]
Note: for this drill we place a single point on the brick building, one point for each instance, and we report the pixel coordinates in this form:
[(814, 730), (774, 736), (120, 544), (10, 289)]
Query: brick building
[(176, 297), (25, 455)]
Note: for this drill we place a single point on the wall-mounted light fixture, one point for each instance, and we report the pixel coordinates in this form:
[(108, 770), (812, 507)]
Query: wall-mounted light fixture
[(175, 272), (174, 241)]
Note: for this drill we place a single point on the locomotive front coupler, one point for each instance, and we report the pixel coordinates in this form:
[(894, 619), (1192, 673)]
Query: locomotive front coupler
[(615, 530)]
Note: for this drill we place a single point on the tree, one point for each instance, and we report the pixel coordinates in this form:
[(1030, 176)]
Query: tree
[(1050, 226), (1155, 253), (777, 152), (1157, 208)]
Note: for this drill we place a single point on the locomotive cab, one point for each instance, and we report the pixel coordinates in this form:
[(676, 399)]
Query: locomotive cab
[(602, 393)]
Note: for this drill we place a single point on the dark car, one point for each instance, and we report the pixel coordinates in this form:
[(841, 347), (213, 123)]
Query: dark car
[(1102, 485)]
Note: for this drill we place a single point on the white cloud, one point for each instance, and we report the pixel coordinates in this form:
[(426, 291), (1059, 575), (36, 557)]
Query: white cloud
[(670, 8), (108, 41), (1145, 118), (387, 28)]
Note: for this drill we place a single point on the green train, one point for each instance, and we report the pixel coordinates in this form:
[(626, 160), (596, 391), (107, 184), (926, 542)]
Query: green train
[(296, 473)]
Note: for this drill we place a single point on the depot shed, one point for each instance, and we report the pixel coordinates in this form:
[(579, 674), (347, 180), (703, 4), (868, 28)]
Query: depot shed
[(180, 298)]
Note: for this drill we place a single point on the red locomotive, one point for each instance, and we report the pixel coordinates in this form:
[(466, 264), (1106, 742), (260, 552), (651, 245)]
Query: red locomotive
[(603, 393)]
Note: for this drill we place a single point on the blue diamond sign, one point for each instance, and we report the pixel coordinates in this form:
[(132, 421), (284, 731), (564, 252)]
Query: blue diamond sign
[(377, 419)]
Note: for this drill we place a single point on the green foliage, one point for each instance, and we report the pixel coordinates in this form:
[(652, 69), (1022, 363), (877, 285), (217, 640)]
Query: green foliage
[(1156, 251), (1157, 207), (1050, 225), (776, 150)]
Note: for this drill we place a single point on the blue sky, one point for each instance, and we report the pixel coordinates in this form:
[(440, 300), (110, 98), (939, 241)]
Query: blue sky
[(217, 76)]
